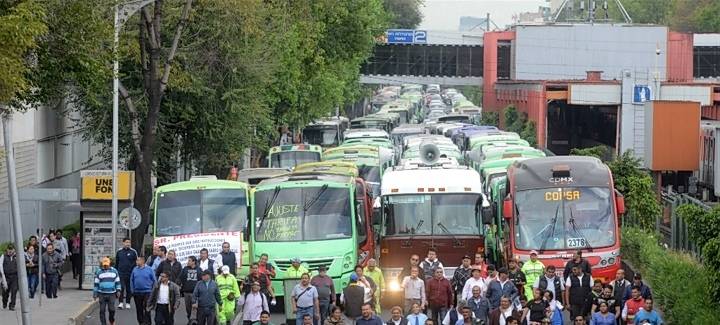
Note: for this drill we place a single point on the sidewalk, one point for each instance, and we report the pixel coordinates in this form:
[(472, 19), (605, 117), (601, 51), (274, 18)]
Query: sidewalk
[(71, 306)]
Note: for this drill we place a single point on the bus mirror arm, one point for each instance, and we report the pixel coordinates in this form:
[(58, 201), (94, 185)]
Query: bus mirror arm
[(487, 215), (619, 203)]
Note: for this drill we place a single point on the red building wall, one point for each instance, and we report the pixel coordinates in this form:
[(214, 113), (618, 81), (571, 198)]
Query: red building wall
[(490, 60), (680, 57)]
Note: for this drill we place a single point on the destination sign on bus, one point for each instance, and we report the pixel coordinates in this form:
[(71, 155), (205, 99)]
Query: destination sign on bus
[(560, 195)]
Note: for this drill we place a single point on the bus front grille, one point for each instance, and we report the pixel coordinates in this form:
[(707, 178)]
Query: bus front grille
[(313, 265)]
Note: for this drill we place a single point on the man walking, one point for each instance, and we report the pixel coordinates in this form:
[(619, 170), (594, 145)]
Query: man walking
[(189, 278), (430, 263), (106, 289), (142, 280), (125, 260), (368, 317), (501, 287), (533, 270), (205, 263), (638, 282), (52, 263), (414, 289), (462, 274), (229, 293), (9, 276), (647, 315), (375, 274), (305, 300), (226, 257), (206, 298), (159, 255), (253, 304), (326, 291), (165, 300), (439, 295), (619, 285), (516, 275), (353, 297), (577, 295), (170, 266), (265, 283), (551, 282), (474, 281)]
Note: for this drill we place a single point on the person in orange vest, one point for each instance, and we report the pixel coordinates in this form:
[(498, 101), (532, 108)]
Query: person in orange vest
[(632, 305)]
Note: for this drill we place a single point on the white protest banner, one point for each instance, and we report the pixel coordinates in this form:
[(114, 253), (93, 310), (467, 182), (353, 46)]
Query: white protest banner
[(188, 245)]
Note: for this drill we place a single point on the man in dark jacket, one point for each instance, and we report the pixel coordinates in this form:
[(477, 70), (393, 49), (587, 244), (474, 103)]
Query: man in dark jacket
[(578, 261), (577, 293), (171, 267), (226, 257), (52, 263), (637, 282), (9, 276), (439, 295), (501, 287), (506, 310), (206, 299), (164, 299), (189, 278), (353, 297), (462, 273), (124, 263)]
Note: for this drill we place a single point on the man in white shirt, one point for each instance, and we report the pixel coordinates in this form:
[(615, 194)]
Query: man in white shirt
[(207, 263), (165, 299), (475, 281), (414, 289), (253, 304)]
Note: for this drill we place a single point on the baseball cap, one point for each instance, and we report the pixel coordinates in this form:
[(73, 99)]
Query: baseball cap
[(225, 269), (322, 268), (533, 252), (105, 262), (466, 257), (295, 260), (207, 272), (353, 277)]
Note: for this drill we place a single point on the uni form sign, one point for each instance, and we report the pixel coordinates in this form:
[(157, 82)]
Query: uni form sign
[(97, 185)]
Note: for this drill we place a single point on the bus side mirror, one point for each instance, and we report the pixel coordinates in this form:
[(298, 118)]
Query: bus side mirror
[(619, 203), (507, 208), (487, 215)]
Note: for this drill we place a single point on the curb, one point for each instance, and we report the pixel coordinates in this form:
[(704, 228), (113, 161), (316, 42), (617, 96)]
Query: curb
[(80, 315)]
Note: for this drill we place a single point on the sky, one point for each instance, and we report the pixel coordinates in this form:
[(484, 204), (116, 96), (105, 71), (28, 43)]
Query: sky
[(445, 14)]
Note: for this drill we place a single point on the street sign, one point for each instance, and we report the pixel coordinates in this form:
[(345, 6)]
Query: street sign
[(641, 94), (48, 194), (129, 218), (97, 184), (406, 36)]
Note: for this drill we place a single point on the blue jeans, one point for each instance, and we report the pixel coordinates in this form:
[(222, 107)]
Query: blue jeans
[(302, 311), (324, 310), (33, 280)]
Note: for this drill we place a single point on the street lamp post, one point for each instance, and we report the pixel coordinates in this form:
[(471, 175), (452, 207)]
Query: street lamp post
[(123, 11)]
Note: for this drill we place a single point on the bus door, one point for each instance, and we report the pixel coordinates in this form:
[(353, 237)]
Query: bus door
[(363, 222)]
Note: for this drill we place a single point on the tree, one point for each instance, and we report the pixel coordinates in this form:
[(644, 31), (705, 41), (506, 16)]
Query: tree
[(404, 13), (21, 23)]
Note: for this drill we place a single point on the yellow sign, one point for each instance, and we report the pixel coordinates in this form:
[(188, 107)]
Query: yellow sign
[(97, 185), (565, 195)]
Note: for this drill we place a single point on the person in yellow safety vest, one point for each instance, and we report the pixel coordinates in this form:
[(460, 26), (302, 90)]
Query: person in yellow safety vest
[(229, 293), (375, 273), (533, 270), (295, 271)]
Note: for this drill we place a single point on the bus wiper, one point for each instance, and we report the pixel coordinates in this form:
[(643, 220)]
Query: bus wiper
[(414, 231), (268, 203), (574, 227), (444, 229), (552, 230), (312, 201)]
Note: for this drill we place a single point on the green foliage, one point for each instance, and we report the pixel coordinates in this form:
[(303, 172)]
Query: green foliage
[(70, 230), (490, 118), (4, 246), (511, 116), (473, 93), (598, 152), (529, 133), (704, 229), (404, 13), (21, 24), (519, 123), (678, 281)]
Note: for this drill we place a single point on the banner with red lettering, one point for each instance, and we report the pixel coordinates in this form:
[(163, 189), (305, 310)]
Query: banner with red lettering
[(188, 245)]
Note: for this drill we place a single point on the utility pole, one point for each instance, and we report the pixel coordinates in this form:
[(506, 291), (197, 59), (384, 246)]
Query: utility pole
[(17, 222)]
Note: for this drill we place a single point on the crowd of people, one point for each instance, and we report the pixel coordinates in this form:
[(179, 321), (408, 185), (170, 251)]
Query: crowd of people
[(210, 292)]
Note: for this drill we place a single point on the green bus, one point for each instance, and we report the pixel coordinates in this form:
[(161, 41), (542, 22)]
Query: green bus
[(291, 155), (320, 213), (205, 210)]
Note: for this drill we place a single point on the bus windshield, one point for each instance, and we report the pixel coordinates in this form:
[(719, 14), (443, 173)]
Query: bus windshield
[(302, 214), (197, 211), (371, 175), (583, 218), (432, 214), (290, 159), (323, 137)]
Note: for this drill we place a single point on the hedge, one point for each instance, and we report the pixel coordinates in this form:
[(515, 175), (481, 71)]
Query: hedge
[(679, 283)]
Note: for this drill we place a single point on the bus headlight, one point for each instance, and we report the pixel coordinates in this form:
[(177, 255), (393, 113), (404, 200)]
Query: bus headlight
[(347, 262), (394, 286), (611, 261)]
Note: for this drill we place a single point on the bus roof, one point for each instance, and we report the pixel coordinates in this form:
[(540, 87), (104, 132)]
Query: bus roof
[(201, 184), (366, 133), (431, 180), (327, 167), (253, 176), (559, 171), (296, 147)]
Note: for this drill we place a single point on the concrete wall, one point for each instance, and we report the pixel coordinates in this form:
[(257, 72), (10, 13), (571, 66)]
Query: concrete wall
[(556, 52)]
